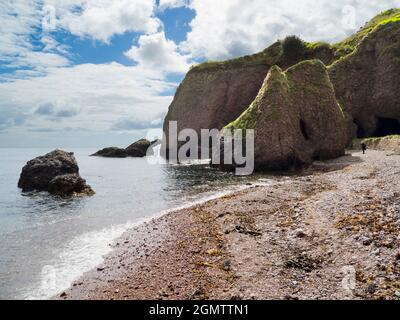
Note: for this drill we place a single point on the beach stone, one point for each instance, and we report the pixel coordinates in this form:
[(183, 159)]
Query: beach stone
[(56, 172)]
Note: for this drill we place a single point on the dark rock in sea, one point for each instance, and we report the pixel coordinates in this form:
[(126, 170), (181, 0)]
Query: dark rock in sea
[(139, 149), (296, 118), (56, 172), (111, 152), (68, 185)]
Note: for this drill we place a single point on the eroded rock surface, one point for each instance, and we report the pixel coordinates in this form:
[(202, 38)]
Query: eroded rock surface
[(56, 172), (296, 118)]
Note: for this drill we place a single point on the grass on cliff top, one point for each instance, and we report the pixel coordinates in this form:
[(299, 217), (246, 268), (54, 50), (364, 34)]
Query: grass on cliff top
[(269, 57), (273, 54), (348, 45)]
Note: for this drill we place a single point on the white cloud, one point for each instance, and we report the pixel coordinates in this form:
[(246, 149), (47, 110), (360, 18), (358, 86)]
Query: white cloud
[(168, 4), (20, 21), (229, 28), (98, 97), (102, 19), (47, 94), (158, 53)]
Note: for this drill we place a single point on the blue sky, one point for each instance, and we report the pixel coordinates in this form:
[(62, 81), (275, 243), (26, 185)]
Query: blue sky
[(93, 73)]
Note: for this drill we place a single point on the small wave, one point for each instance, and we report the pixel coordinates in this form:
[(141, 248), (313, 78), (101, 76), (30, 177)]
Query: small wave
[(87, 251)]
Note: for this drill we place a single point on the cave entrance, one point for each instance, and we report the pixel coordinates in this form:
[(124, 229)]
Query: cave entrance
[(387, 127), (360, 130), (304, 131)]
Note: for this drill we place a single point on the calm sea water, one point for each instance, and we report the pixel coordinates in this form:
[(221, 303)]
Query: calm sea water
[(48, 242)]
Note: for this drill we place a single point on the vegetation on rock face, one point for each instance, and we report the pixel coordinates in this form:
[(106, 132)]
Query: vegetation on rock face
[(363, 69), (293, 48), (348, 45), (296, 118), (248, 120), (269, 56)]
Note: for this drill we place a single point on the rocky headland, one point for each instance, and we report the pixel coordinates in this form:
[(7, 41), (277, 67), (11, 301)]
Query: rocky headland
[(355, 84)]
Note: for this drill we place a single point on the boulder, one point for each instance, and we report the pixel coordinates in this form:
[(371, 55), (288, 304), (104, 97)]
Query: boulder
[(68, 185), (112, 152), (139, 149), (56, 172), (296, 118)]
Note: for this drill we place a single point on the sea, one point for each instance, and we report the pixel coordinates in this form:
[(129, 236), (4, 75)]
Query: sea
[(47, 242)]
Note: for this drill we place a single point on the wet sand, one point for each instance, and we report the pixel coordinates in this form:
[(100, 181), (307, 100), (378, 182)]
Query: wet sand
[(330, 233)]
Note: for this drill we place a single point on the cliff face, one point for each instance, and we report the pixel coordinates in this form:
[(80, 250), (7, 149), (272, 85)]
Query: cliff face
[(214, 94), (209, 99), (367, 80), (296, 118), (363, 69)]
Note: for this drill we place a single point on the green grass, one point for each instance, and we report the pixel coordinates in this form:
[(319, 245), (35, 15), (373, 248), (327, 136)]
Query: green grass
[(311, 46), (273, 54), (348, 45), (269, 57), (249, 118)]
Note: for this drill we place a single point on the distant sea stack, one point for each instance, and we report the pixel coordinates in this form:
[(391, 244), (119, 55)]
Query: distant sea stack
[(56, 172), (138, 149), (363, 69)]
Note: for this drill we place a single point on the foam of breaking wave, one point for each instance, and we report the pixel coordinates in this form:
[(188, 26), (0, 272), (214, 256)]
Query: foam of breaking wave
[(88, 250)]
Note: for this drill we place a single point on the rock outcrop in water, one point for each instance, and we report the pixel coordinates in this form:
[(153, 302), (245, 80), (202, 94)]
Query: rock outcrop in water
[(138, 149), (296, 118), (364, 70), (111, 152), (56, 172)]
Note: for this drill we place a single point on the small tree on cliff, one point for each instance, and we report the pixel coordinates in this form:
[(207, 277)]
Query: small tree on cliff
[(293, 47)]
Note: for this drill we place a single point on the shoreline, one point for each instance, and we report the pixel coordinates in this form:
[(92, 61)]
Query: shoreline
[(292, 239)]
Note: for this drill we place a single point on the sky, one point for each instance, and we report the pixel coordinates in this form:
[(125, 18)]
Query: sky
[(97, 73)]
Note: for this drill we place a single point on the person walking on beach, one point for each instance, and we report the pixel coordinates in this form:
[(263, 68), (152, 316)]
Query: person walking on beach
[(363, 147)]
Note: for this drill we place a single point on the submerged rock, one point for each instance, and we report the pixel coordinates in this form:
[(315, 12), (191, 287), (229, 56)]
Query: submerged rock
[(56, 172), (296, 118)]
